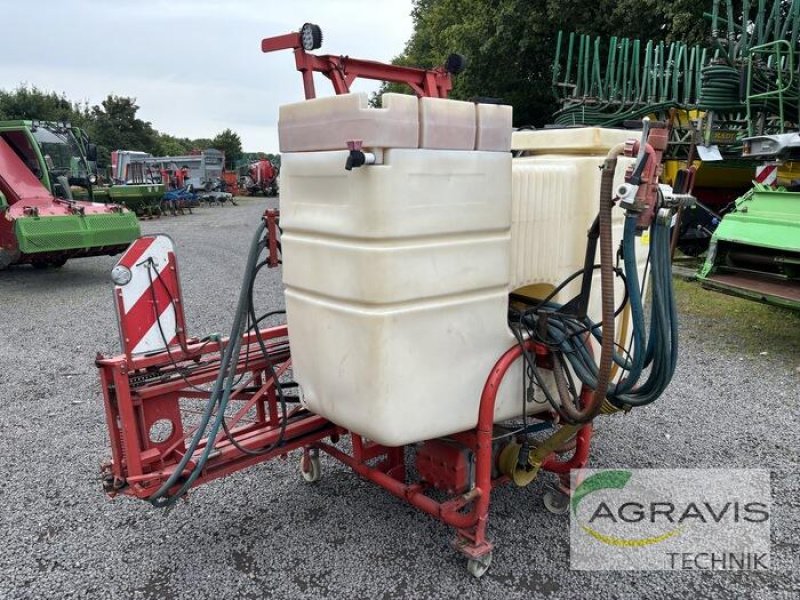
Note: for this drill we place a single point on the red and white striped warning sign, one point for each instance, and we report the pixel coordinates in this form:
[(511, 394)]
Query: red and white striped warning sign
[(767, 174), (149, 304)]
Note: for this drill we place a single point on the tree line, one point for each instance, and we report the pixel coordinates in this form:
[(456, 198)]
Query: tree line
[(510, 44), (112, 125)]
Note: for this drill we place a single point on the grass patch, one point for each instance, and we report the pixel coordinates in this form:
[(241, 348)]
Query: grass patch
[(741, 325)]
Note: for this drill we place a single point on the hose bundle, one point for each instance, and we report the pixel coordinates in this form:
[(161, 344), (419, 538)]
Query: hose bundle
[(220, 395), (720, 88), (647, 363), (749, 66)]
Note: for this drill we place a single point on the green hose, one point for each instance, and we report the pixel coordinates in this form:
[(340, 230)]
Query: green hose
[(719, 88)]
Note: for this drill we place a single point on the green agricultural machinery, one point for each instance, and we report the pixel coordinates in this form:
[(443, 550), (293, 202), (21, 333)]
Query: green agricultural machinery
[(755, 250), (47, 212), (142, 198), (69, 166), (731, 109)]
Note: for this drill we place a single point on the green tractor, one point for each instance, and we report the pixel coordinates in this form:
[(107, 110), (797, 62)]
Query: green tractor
[(50, 210), (60, 155), (70, 167)]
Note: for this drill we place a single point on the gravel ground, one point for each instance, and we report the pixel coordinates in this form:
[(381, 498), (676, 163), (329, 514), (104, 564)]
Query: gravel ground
[(264, 533)]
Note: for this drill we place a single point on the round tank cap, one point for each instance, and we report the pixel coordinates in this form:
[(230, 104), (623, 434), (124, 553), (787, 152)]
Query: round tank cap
[(121, 275)]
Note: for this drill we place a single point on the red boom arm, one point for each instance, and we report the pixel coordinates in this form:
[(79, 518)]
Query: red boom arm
[(343, 70)]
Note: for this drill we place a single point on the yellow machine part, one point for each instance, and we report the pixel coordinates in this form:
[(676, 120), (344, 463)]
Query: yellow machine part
[(508, 461), (712, 175), (720, 174), (788, 172)]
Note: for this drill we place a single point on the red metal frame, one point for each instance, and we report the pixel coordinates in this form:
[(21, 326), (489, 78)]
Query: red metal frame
[(141, 391), (343, 70), (647, 194)]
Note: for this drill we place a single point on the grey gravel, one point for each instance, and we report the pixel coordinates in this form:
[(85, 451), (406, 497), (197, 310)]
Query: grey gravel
[(264, 533)]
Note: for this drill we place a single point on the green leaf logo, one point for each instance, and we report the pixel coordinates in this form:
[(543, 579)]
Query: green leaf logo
[(612, 480)]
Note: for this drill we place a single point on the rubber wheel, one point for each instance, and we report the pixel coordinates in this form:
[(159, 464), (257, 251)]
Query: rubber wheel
[(477, 567), (556, 502), (314, 474)]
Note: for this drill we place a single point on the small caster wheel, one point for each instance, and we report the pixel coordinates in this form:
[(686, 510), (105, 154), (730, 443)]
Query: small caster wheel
[(477, 567), (314, 472), (556, 502)]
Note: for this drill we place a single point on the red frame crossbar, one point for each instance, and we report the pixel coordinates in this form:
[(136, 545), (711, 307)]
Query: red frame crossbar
[(343, 70)]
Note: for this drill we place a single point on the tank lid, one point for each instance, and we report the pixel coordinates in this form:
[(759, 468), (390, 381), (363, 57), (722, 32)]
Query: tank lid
[(572, 140)]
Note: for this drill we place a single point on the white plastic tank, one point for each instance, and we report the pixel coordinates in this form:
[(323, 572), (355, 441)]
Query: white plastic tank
[(555, 195), (397, 274), (556, 185)]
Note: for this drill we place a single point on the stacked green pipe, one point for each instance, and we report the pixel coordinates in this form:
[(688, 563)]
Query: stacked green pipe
[(749, 69)]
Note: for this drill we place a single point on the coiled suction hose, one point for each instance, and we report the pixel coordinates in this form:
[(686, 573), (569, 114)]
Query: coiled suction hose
[(719, 88), (592, 409)]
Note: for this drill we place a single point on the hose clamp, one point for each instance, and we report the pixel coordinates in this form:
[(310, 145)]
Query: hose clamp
[(672, 199)]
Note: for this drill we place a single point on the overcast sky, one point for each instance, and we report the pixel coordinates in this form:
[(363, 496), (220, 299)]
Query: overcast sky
[(194, 66)]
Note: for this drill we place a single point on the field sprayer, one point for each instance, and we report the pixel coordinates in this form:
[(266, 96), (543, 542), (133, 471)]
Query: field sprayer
[(442, 303)]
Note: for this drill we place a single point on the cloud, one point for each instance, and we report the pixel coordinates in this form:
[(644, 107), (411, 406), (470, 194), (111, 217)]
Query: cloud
[(194, 66)]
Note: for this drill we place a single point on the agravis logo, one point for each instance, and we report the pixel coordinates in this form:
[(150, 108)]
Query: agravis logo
[(668, 519), (611, 480)]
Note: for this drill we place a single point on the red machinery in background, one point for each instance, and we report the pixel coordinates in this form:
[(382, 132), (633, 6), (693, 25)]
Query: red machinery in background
[(261, 178), (231, 181)]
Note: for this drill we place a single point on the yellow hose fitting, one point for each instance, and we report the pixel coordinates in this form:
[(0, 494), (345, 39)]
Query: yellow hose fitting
[(508, 461), (608, 408)]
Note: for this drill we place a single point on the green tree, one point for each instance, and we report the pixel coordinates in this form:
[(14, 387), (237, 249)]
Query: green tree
[(112, 125), (200, 144), (510, 44), (32, 103), (231, 144), (115, 126), (169, 145)]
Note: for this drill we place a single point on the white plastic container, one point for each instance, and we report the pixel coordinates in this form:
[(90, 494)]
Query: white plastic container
[(328, 123), (493, 124), (555, 198), (397, 274), (396, 282), (447, 124)]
